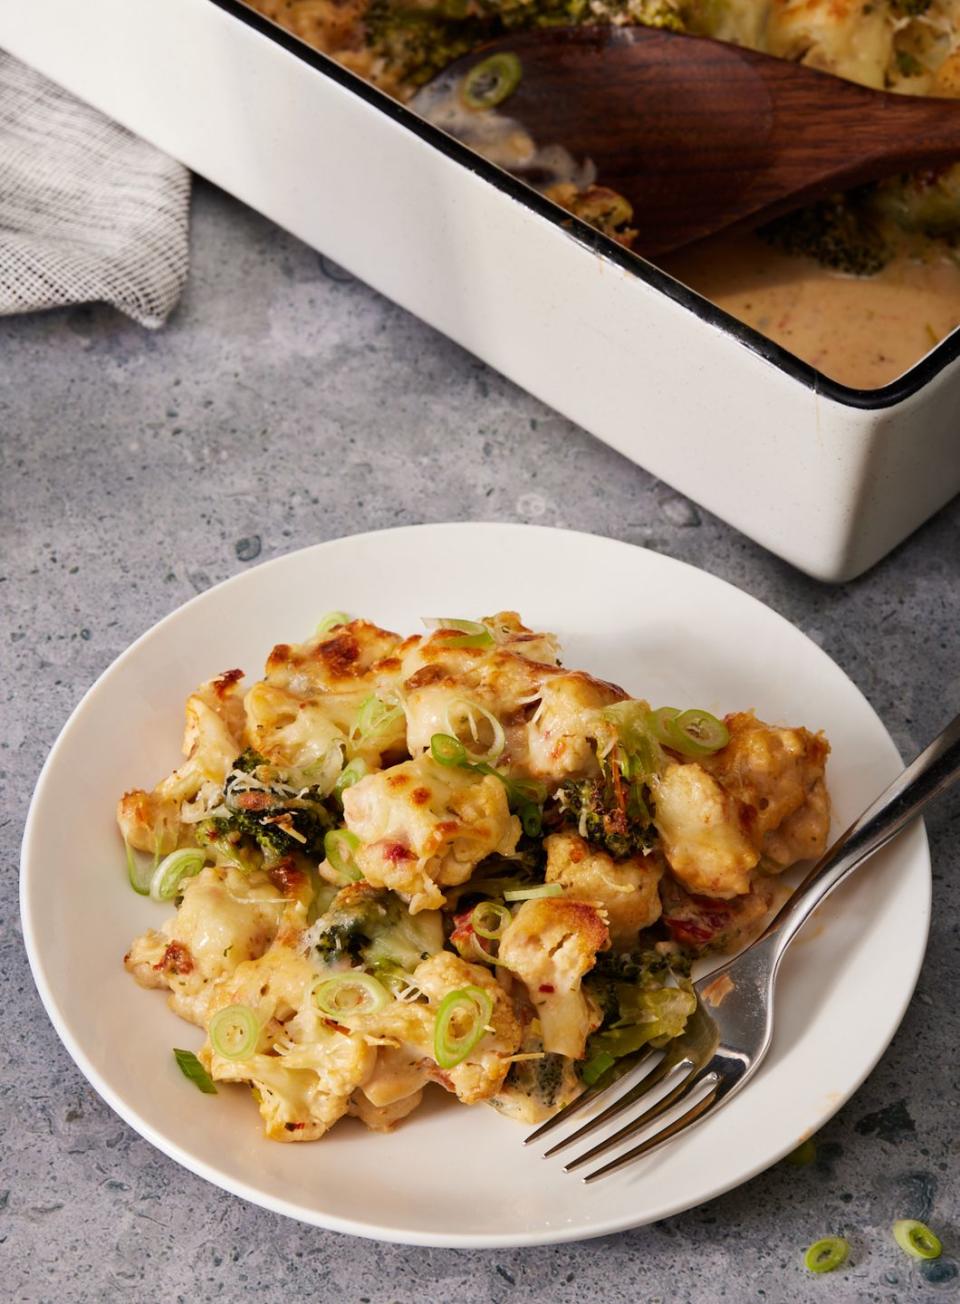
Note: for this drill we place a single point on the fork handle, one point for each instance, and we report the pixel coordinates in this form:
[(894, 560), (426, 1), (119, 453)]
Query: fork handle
[(935, 770)]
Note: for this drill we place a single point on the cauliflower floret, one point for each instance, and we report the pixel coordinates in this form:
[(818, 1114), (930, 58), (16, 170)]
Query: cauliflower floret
[(288, 731), (423, 825), (777, 776), (702, 833), (626, 890), (481, 1074), (151, 821), (226, 917), (317, 1064), (550, 944), (561, 734)]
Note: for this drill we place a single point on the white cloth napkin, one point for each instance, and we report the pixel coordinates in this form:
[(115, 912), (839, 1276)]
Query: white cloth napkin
[(87, 210)]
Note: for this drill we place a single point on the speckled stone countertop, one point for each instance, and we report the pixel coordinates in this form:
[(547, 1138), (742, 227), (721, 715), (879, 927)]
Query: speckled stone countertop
[(284, 404)]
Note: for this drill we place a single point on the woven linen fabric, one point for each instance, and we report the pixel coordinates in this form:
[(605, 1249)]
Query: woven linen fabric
[(87, 210)]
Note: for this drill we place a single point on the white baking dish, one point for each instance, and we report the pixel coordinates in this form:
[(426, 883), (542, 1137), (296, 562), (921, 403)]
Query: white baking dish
[(828, 477)]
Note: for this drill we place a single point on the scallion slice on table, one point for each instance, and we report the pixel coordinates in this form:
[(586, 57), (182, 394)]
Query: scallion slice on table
[(826, 1254), (917, 1239), (338, 847), (173, 869), (234, 1032), (804, 1154), (462, 1020), (350, 994), (192, 1069)]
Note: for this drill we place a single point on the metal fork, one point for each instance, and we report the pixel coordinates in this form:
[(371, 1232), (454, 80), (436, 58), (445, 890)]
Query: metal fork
[(731, 1029)]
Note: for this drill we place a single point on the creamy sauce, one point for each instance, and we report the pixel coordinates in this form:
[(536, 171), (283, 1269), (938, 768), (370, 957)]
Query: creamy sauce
[(862, 331)]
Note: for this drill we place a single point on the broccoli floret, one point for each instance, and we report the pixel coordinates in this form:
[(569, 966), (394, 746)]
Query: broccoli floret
[(373, 927), (544, 1080), (264, 810), (611, 814), (841, 232)]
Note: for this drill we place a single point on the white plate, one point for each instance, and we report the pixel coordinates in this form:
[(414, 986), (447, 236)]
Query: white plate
[(449, 1177)]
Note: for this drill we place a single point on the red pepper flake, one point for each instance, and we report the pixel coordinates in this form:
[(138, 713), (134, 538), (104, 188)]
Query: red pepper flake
[(286, 877), (547, 987), (396, 851)]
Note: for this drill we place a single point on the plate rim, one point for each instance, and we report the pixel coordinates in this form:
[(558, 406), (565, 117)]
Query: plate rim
[(349, 1226)]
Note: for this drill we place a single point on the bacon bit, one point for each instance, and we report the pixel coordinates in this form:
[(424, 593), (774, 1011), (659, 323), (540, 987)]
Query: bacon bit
[(420, 796), (337, 1027), (254, 800), (395, 852), (285, 876), (175, 959), (294, 1127), (547, 987), (223, 683)]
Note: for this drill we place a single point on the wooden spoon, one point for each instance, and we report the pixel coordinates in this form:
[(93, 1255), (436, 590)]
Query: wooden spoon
[(701, 135)]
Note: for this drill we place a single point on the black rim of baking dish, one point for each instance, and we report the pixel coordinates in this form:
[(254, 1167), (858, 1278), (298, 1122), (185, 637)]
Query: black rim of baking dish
[(902, 388)]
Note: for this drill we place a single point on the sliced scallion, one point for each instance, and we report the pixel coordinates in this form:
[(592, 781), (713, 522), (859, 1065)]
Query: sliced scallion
[(375, 717), (350, 774), (330, 621), (234, 1032), (338, 847), (826, 1254), (696, 733), (350, 994), (469, 715), (917, 1239), (489, 82), (595, 1067), (533, 893), (489, 919), (447, 750), (138, 872), (660, 721), (173, 869), (472, 633), (804, 1154), (192, 1069), (462, 1019)]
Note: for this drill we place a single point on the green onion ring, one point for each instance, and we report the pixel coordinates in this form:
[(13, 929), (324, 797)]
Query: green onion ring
[(491, 81), (532, 893), (447, 750), (234, 1032), (193, 1071), (531, 817), (469, 710), (347, 995), (474, 632), (350, 774), (138, 876), (451, 1048), (696, 733), (338, 847), (168, 875), (660, 721), (826, 1254), (917, 1239), (330, 621), (375, 717), (500, 913)]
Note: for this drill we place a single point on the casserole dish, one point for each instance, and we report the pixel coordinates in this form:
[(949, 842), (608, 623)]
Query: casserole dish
[(828, 477)]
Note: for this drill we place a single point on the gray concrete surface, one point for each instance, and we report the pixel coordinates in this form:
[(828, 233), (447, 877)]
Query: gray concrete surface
[(286, 404)]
